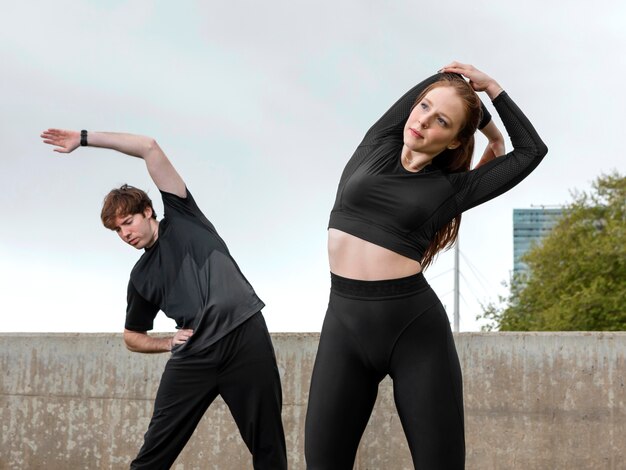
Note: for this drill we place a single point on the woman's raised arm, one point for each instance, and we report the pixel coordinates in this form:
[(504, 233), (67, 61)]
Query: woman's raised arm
[(500, 174), (392, 122)]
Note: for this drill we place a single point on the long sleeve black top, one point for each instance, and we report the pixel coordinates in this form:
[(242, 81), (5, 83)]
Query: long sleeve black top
[(379, 201)]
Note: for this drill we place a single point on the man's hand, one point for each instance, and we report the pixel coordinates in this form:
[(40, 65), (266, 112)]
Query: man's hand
[(65, 141), (181, 337)]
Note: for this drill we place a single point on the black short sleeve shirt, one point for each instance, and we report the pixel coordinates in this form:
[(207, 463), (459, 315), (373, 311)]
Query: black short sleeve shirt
[(190, 275)]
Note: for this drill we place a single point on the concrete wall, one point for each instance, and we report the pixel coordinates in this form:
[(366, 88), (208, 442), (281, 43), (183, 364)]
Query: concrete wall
[(532, 401)]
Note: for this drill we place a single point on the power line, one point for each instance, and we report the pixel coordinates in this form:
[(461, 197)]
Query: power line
[(465, 301), (448, 293), (440, 274), (477, 274), (471, 291)]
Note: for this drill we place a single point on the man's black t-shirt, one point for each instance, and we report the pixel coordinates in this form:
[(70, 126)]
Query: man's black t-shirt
[(189, 275)]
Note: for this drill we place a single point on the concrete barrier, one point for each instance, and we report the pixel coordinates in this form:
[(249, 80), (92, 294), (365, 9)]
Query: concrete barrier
[(532, 401)]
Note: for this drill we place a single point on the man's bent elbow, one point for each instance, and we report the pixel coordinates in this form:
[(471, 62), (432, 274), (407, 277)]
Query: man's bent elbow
[(151, 145), (130, 347), (130, 340)]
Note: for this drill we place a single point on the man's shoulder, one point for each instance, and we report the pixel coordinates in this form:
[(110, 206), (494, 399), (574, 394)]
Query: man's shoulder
[(177, 205)]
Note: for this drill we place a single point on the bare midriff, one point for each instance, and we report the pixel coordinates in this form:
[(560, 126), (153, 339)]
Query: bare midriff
[(355, 258)]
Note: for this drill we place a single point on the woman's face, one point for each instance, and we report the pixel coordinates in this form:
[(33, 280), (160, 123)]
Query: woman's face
[(435, 122)]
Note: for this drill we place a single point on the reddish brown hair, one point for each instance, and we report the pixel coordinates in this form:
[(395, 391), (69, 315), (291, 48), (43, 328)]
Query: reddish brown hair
[(454, 160), (124, 201)]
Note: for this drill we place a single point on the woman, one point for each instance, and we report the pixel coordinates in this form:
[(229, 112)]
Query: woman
[(399, 202)]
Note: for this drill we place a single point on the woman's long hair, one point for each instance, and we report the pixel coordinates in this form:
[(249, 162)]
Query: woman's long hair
[(454, 160)]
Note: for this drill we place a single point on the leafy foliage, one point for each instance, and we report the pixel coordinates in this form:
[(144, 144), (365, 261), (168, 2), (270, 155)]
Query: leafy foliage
[(577, 276)]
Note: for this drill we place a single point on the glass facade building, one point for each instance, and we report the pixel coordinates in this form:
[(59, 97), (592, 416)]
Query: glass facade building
[(529, 227)]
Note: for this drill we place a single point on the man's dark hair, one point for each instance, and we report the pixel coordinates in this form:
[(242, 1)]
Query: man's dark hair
[(124, 201)]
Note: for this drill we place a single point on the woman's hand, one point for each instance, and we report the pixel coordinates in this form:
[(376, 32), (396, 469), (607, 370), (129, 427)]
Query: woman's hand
[(66, 141), (495, 146), (479, 81), (493, 150)]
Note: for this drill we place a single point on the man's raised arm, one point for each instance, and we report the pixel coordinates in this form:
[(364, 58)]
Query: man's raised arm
[(160, 168)]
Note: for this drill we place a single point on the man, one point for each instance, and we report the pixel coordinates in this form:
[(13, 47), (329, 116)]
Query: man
[(222, 346)]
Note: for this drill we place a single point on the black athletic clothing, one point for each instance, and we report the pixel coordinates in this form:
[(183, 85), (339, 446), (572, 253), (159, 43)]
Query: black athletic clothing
[(189, 275), (241, 367), (399, 327), (379, 201), (374, 328)]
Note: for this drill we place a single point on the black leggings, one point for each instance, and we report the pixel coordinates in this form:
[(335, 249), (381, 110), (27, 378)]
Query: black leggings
[(374, 328), (241, 367)]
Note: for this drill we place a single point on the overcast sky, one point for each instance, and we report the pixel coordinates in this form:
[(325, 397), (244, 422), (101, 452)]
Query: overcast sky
[(259, 105)]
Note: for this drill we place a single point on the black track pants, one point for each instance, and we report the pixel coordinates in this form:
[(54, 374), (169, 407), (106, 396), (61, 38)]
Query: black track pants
[(241, 368), (374, 328)]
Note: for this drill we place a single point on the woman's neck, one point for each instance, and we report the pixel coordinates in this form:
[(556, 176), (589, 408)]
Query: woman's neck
[(414, 161)]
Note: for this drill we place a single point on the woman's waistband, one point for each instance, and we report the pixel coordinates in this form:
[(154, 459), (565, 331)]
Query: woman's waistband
[(387, 288)]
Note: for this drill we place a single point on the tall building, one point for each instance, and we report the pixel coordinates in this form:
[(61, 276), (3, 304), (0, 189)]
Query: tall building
[(529, 227)]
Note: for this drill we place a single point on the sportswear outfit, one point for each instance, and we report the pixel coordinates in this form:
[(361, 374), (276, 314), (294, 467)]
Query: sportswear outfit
[(399, 327), (190, 275)]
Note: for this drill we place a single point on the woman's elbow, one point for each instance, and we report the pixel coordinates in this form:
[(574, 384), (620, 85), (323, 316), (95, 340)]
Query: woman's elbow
[(542, 150)]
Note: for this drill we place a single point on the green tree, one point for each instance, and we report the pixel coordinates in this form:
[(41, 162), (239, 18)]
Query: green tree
[(576, 279)]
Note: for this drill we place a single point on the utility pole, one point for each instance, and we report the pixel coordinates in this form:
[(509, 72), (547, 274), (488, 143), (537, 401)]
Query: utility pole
[(457, 294)]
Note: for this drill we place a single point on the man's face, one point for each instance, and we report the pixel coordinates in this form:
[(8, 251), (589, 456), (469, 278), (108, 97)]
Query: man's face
[(138, 230)]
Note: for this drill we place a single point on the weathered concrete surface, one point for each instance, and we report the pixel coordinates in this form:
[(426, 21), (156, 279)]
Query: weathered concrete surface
[(532, 401)]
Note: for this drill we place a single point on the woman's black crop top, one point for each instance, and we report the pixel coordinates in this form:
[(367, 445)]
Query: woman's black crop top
[(379, 201)]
